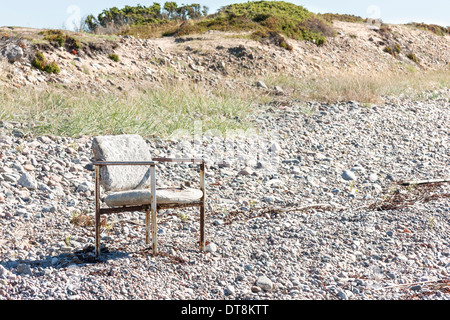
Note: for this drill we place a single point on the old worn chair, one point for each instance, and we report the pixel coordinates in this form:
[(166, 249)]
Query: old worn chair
[(126, 171)]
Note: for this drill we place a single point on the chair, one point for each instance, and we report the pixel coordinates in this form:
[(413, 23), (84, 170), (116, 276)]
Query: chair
[(126, 171)]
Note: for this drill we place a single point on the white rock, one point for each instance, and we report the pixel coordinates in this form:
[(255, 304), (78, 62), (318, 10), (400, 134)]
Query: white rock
[(264, 283), (211, 247)]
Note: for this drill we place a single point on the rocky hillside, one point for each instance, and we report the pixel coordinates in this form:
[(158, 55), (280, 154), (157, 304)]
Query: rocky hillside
[(215, 58)]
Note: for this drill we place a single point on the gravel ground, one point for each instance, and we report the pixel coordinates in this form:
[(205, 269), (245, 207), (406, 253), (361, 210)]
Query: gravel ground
[(310, 208)]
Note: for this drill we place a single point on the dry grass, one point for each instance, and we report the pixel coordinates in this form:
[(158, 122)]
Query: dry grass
[(176, 106), (156, 111), (366, 88)]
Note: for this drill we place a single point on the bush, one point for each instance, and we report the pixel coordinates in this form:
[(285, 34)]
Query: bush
[(392, 51), (413, 57), (439, 30), (330, 17), (287, 19), (52, 67), (114, 57), (63, 40), (39, 62), (385, 29), (55, 36)]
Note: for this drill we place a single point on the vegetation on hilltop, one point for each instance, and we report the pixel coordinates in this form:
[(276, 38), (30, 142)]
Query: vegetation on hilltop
[(114, 18), (341, 17), (272, 20), (439, 30), (267, 19)]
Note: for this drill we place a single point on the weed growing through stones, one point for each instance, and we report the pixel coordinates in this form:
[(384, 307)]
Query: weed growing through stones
[(114, 57), (411, 56), (82, 219)]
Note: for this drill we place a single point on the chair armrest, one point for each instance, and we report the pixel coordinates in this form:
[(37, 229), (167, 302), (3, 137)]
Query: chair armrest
[(191, 160), (123, 163)]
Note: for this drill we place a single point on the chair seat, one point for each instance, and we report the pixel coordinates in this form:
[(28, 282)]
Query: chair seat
[(143, 197)]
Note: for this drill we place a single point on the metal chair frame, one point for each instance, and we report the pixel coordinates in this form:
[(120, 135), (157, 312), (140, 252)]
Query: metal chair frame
[(154, 206)]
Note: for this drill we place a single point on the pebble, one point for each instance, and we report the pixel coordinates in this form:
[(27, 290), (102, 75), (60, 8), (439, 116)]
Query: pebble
[(264, 283), (269, 247), (211, 247), (27, 181), (348, 175)]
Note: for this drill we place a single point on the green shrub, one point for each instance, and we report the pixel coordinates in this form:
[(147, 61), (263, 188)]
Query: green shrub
[(385, 29), (39, 62), (391, 51), (411, 56), (114, 57), (52, 67), (55, 36), (330, 17), (439, 30), (63, 40), (287, 19)]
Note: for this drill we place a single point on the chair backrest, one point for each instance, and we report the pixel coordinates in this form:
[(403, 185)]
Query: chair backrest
[(130, 147)]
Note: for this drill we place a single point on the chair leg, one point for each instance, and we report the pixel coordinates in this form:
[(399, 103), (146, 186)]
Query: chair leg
[(202, 227), (202, 207), (154, 209), (97, 212), (154, 232), (147, 227), (97, 234)]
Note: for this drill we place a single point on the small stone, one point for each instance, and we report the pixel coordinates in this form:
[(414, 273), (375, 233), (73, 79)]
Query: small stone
[(278, 90), (11, 177), (218, 222), (246, 171), (256, 289), (373, 177), (348, 175), (264, 283), (83, 187), (3, 271), (342, 295), (27, 181), (24, 269), (261, 84), (211, 247), (275, 147), (230, 290)]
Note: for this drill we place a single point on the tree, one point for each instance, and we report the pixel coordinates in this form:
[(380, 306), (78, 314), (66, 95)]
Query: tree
[(205, 10), (194, 11), (171, 8)]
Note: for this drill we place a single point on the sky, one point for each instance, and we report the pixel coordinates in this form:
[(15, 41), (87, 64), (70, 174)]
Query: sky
[(65, 14)]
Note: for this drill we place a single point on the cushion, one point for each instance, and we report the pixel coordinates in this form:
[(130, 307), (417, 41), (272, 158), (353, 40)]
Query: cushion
[(143, 197), (122, 148)]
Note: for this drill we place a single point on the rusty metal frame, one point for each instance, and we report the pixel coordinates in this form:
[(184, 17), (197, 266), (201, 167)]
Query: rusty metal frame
[(154, 206)]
